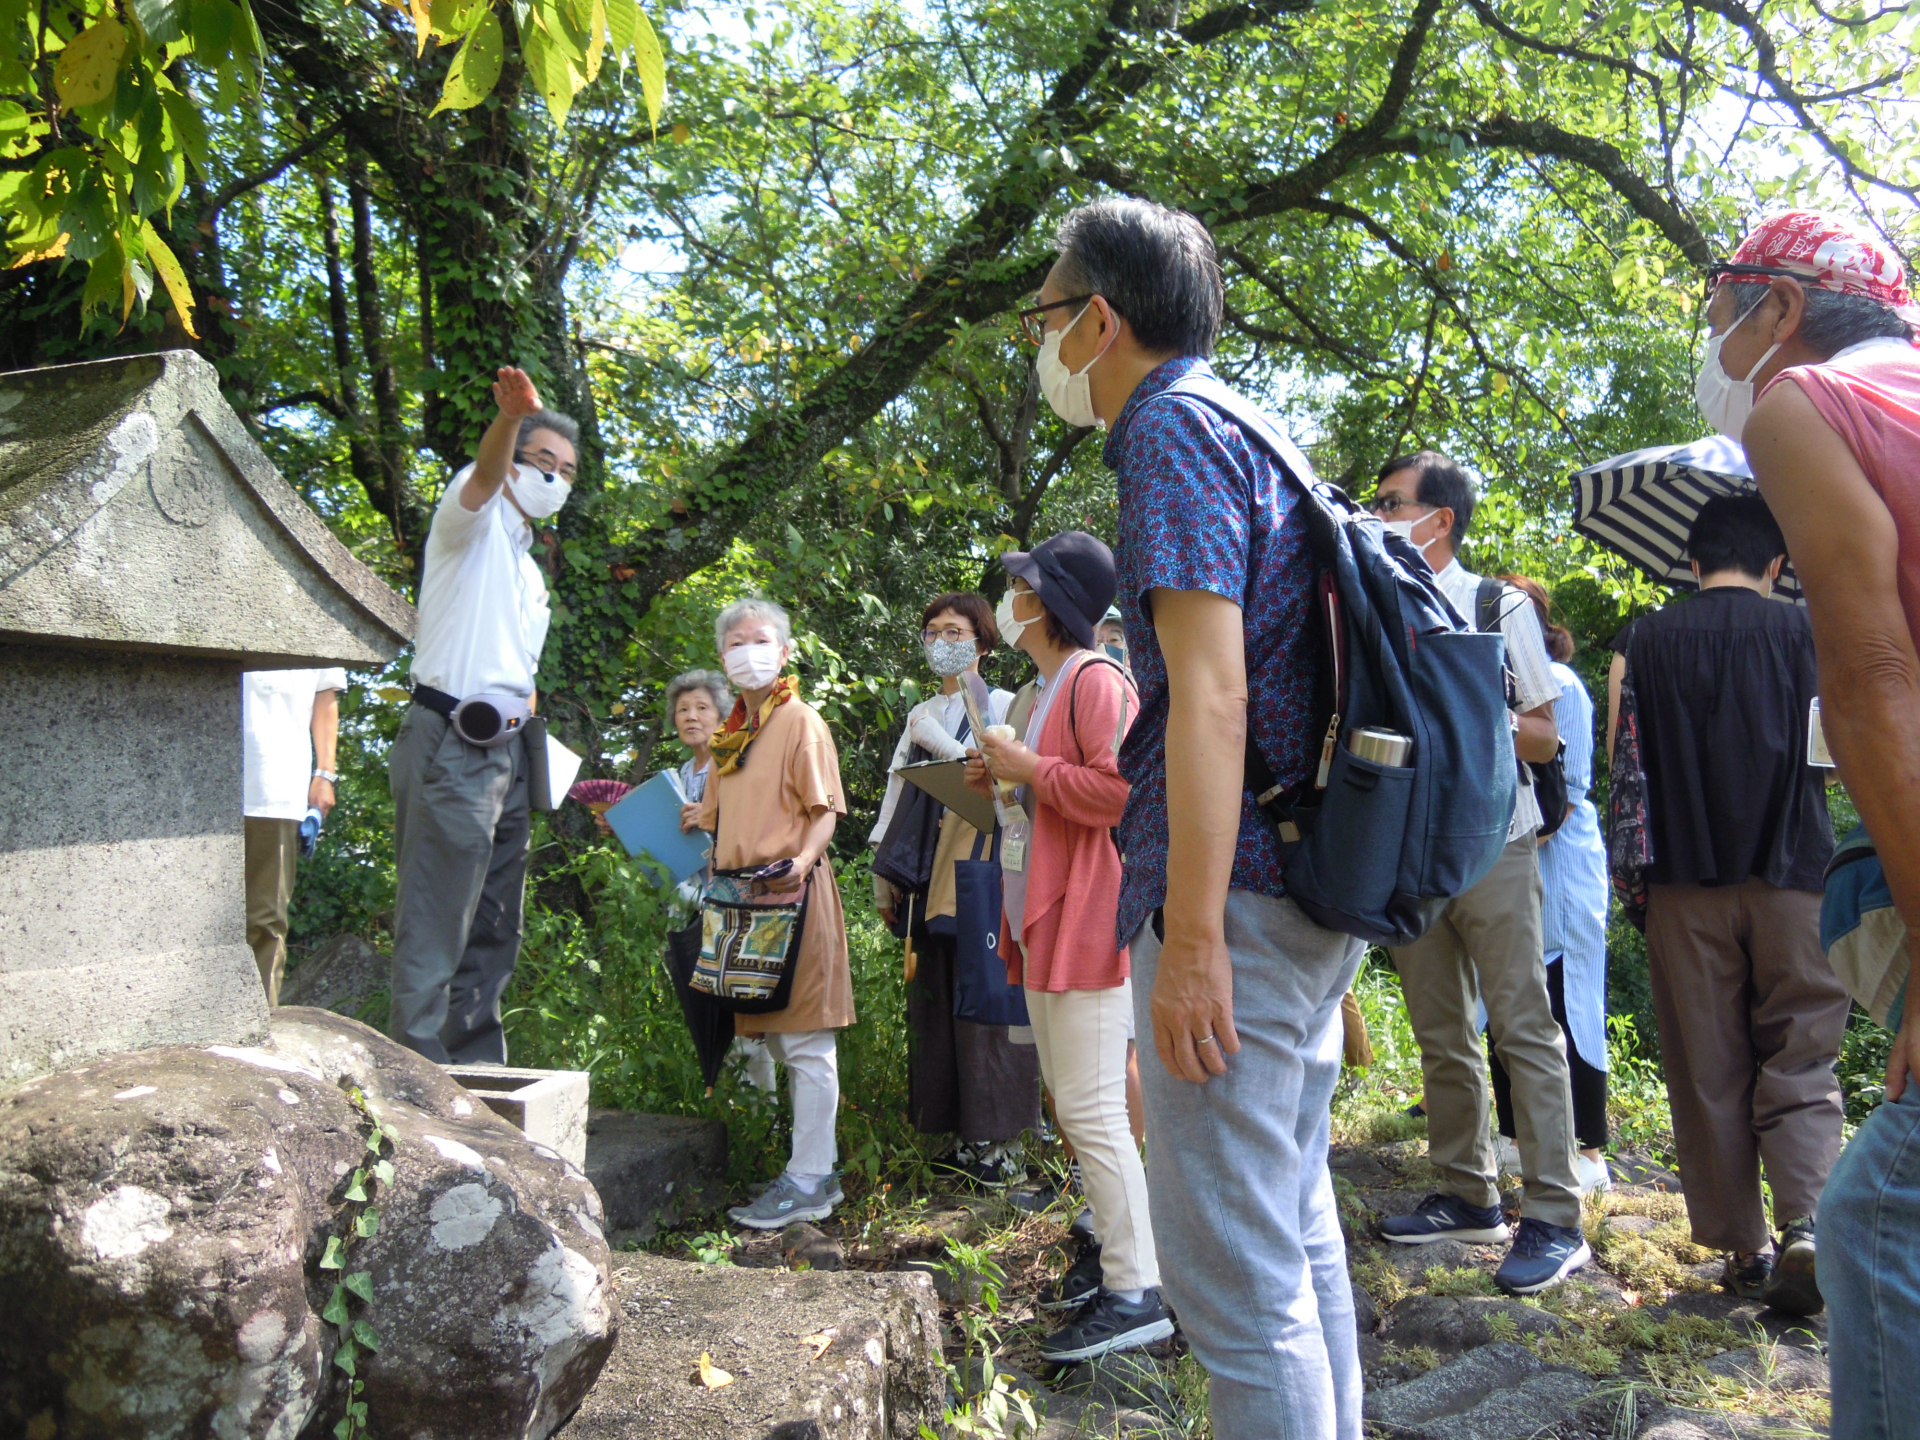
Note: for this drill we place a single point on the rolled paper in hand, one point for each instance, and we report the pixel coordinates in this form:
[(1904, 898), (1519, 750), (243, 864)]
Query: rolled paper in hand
[(1001, 788)]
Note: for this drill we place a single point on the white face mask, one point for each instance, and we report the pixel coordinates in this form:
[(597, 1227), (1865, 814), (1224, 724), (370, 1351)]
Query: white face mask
[(1069, 392), (1010, 629), (1727, 402), (1404, 529), (536, 493), (753, 667)]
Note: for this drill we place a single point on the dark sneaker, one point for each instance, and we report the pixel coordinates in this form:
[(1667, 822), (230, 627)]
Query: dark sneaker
[(1542, 1255), (1077, 1286), (1445, 1217), (1082, 1231), (1107, 1323), (1747, 1275), (784, 1202), (1793, 1289)]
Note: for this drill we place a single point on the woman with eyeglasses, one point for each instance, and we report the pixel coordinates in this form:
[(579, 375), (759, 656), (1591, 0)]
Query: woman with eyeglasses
[(965, 1080)]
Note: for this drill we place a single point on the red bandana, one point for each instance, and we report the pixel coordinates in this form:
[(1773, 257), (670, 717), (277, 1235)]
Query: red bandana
[(1826, 253)]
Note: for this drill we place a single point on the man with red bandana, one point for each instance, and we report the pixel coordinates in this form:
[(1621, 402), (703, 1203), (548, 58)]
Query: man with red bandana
[(1816, 320)]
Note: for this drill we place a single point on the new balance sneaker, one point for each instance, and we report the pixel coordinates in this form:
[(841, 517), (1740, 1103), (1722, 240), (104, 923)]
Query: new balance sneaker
[(1077, 1286), (1107, 1323), (784, 1202), (1747, 1275), (1793, 1289), (1542, 1255), (1445, 1217)]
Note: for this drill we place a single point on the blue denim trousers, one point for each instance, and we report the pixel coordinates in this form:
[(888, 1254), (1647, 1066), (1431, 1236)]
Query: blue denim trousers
[(1870, 1275), (1251, 1255)]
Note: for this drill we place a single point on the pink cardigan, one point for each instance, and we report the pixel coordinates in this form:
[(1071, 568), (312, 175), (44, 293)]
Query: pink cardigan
[(1073, 871)]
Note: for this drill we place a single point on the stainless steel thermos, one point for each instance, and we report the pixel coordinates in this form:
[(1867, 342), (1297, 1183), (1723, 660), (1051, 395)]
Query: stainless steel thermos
[(1382, 747)]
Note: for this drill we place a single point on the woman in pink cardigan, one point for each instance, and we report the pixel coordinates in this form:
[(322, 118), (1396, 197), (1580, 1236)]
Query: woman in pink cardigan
[(1061, 874)]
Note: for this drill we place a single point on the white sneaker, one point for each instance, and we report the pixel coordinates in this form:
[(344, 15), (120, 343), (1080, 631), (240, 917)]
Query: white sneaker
[(1593, 1175)]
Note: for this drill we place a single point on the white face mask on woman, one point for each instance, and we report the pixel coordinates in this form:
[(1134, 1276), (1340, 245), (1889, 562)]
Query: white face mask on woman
[(1069, 392), (1727, 402), (753, 667), (1010, 628)]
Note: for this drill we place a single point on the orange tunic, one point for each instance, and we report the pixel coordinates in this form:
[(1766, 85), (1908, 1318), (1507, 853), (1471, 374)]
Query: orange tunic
[(790, 770)]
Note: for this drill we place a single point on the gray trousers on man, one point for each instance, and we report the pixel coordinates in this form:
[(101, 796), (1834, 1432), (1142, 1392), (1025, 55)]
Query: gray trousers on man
[(461, 826), (1251, 1255), (1491, 935)]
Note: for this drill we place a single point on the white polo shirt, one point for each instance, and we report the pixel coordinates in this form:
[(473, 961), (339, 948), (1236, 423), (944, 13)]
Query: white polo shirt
[(483, 600), (1534, 682), (276, 728)]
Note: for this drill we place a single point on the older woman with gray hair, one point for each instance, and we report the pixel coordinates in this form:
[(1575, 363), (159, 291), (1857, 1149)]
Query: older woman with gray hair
[(775, 795)]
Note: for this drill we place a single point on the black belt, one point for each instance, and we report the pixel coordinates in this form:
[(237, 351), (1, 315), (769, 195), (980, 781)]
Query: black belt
[(438, 701)]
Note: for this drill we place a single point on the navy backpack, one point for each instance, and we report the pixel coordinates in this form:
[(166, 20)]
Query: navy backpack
[(1372, 850)]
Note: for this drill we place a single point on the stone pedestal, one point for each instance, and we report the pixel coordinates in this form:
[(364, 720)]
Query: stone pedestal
[(548, 1106), (149, 552), (654, 1170)]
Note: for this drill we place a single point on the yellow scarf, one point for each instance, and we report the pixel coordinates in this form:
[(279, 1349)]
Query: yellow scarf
[(730, 745)]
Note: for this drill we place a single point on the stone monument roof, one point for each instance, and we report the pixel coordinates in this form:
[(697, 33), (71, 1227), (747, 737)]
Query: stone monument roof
[(137, 513)]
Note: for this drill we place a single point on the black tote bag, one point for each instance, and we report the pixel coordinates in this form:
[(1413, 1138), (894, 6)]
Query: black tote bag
[(980, 989)]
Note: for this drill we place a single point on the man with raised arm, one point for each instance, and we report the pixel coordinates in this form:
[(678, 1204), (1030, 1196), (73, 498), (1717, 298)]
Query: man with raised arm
[(460, 797), (1817, 320), (1239, 991)]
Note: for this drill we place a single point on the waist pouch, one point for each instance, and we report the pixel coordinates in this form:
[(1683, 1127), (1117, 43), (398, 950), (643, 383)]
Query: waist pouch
[(748, 950)]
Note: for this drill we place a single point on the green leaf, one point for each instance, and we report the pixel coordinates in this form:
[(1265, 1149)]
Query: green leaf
[(623, 18), (336, 1255), (383, 1172), (336, 1311), (214, 23), (360, 1283), (89, 69), (547, 64), (367, 1224), (368, 1337), (474, 73), (346, 1355), (344, 1430), (356, 1187), (651, 61)]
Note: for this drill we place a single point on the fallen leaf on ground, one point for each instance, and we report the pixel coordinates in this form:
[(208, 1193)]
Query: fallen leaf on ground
[(819, 1343), (711, 1375)]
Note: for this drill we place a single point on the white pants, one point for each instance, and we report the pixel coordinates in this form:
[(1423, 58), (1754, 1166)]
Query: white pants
[(812, 1058), (1082, 1036)]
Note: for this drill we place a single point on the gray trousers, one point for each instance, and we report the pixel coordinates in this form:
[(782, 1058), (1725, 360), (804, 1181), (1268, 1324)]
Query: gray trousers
[(461, 825), (1250, 1250), (1486, 945)]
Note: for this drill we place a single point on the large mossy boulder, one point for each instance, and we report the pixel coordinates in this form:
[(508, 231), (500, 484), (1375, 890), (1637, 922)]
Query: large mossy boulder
[(163, 1215)]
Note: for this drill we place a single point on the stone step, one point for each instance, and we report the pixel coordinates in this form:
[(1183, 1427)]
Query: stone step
[(846, 1356), (654, 1170)]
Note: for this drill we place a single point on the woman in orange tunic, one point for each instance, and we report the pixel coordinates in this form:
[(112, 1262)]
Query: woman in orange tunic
[(777, 796)]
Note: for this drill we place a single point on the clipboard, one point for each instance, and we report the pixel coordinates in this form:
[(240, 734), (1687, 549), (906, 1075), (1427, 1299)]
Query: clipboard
[(946, 781), (647, 822)]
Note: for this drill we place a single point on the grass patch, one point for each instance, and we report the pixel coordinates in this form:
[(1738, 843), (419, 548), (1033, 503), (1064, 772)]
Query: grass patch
[(1467, 1280)]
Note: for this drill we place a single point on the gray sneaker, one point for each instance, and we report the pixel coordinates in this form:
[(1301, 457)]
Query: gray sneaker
[(784, 1202)]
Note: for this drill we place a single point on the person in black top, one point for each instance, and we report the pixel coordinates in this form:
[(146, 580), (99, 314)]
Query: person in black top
[(1750, 1012)]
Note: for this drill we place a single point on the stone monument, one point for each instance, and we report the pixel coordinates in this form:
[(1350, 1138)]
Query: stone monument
[(149, 552)]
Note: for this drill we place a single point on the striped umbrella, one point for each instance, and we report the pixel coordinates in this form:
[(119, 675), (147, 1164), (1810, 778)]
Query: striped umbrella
[(1642, 504)]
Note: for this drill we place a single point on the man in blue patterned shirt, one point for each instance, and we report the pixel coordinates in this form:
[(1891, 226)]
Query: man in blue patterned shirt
[(1240, 991)]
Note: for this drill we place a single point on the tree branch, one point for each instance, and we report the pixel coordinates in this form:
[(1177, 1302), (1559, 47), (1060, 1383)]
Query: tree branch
[(227, 194)]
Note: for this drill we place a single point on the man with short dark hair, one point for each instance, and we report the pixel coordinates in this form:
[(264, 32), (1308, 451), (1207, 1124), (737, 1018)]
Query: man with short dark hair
[(1750, 1012), (1216, 587), (1819, 321), (1487, 945), (462, 811)]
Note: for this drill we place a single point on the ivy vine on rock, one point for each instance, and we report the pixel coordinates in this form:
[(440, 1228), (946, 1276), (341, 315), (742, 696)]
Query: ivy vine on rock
[(353, 1290)]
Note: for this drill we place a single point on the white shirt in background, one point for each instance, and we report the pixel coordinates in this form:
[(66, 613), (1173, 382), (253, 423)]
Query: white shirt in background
[(1534, 682), (276, 728), (483, 600), (932, 724)]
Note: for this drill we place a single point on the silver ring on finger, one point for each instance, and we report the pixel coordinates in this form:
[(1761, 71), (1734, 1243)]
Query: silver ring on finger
[(1204, 1040)]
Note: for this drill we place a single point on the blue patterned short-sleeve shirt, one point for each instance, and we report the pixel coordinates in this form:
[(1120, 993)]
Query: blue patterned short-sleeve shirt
[(1204, 508)]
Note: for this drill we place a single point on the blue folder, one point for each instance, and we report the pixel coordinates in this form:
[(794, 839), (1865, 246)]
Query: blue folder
[(647, 821)]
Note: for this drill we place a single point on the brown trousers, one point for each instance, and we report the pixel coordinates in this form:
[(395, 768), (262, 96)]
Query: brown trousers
[(1750, 1021), (273, 848)]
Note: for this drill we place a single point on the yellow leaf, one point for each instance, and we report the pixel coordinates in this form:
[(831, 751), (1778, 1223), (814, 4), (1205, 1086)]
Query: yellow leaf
[(89, 67), (422, 26), (127, 294), (547, 64), (681, 132), (394, 694), (651, 62), (167, 265), (819, 1343), (619, 707), (711, 1375), (1499, 383), (596, 39), (476, 69), (50, 252)]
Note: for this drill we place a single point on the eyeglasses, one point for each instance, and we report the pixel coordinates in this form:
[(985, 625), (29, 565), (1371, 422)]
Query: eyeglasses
[(1717, 273), (548, 463), (1390, 504), (1033, 321), (953, 635)]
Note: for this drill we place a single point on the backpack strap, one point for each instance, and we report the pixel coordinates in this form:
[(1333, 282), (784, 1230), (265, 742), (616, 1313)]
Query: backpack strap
[(1073, 698), (1486, 604), (1021, 710)]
